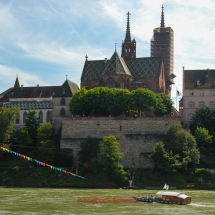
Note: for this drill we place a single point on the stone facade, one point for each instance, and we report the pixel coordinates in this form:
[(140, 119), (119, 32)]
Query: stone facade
[(136, 136)]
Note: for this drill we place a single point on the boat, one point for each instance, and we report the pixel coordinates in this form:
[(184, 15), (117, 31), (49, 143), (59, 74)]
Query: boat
[(166, 197), (159, 188)]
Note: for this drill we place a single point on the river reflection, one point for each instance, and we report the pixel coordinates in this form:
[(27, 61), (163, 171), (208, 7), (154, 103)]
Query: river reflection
[(47, 201)]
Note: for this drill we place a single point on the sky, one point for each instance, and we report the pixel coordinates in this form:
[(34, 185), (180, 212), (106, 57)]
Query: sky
[(44, 41)]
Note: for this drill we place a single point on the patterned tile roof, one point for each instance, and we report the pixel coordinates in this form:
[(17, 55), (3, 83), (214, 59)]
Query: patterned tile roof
[(93, 69), (136, 67), (116, 65), (199, 78), (144, 67), (29, 105)]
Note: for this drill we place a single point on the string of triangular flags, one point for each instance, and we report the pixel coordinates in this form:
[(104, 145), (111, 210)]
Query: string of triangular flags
[(39, 162)]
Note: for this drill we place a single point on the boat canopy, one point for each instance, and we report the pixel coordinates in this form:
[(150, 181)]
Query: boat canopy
[(176, 194)]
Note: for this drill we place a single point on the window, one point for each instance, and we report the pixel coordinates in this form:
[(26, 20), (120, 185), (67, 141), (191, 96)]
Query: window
[(201, 104), (212, 104), (48, 116), (62, 112), (191, 93), (111, 83), (212, 92), (121, 83), (191, 105), (24, 116), (201, 93), (190, 117), (62, 101), (40, 117)]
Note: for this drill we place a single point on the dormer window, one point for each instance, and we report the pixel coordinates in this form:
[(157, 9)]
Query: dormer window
[(63, 91), (198, 83)]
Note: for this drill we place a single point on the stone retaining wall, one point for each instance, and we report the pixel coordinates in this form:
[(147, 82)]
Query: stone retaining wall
[(136, 136)]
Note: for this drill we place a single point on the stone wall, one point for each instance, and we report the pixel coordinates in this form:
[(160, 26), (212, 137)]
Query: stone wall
[(136, 136)]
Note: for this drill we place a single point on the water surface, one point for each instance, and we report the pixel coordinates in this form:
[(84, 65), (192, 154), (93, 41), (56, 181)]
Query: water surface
[(45, 201)]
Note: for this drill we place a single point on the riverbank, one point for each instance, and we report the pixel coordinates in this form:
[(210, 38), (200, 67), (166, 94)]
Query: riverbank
[(46, 177)]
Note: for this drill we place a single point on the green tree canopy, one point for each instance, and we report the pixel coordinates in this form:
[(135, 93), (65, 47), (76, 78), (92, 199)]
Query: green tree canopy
[(7, 119), (178, 150), (143, 100), (203, 138), (32, 124), (164, 104), (205, 118), (110, 156), (44, 132)]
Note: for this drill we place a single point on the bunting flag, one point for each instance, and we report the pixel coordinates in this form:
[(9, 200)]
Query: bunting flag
[(39, 162)]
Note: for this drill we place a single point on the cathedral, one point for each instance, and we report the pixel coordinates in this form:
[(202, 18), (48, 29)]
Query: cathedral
[(129, 72)]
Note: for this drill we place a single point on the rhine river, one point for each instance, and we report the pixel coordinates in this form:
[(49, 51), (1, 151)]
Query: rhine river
[(49, 201)]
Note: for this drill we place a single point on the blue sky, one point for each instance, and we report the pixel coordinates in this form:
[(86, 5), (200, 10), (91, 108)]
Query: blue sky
[(44, 40)]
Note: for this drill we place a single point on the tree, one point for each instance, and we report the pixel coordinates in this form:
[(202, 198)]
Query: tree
[(178, 150), (110, 156), (205, 118), (164, 104), (143, 100), (7, 118), (44, 132), (89, 149), (32, 124), (203, 138), (77, 102), (168, 160)]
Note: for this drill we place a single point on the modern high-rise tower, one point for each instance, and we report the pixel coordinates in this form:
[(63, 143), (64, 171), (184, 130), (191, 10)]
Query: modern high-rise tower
[(162, 45), (128, 46)]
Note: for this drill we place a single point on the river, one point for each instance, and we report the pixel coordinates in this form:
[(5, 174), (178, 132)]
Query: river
[(49, 201)]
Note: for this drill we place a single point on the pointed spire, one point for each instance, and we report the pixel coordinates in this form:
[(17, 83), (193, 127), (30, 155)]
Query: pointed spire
[(16, 82), (86, 57), (162, 18), (128, 34)]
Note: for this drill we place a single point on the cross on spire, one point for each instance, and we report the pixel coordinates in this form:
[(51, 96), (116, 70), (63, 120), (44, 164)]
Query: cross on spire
[(162, 18)]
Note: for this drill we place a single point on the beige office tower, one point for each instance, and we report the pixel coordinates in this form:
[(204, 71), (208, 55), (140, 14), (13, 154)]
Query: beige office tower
[(162, 44)]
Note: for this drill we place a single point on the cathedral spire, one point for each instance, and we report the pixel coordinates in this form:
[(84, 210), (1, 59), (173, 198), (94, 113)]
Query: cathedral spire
[(128, 34), (162, 18)]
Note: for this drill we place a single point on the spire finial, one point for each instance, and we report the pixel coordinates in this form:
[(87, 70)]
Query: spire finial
[(66, 77), (162, 18), (128, 35), (86, 57), (115, 44)]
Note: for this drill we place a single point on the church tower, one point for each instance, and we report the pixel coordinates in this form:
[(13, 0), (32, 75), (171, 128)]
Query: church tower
[(162, 45), (128, 45)]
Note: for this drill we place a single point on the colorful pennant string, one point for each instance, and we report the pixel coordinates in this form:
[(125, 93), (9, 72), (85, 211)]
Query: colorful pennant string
[(40, 163)]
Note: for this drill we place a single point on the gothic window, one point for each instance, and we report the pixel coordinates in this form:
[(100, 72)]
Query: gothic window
[(201, 104), (212, 93), (62, 101), (111, 83), (212, 104), (201, 93), (24, 116), (62, 112), (48, 116), (40, 117), (191, 105), (121, 83)]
